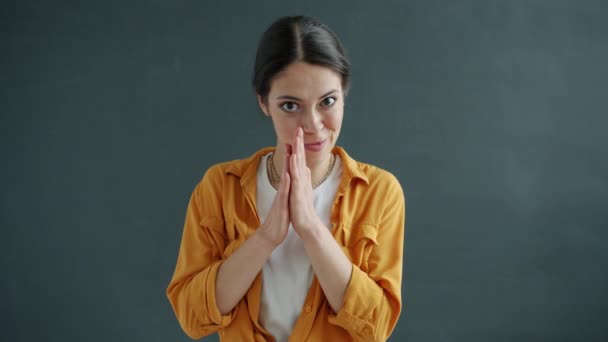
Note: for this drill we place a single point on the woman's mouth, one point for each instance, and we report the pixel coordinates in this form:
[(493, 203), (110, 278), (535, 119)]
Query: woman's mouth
[(315, 147)]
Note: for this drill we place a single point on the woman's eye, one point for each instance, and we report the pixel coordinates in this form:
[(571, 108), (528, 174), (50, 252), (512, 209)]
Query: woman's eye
[(328, 101), (289, 106)]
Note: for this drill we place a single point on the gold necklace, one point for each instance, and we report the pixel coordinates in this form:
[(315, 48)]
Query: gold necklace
[(272, 172), (275, 179)]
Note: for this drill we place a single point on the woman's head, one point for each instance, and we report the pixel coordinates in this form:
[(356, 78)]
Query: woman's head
[(297, 39), (301, 76)]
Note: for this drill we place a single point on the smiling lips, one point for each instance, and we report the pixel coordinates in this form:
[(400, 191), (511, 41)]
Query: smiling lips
[(315, 147)]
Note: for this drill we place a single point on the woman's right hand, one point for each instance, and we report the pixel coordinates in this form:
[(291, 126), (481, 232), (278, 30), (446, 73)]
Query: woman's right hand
[(275, 227)]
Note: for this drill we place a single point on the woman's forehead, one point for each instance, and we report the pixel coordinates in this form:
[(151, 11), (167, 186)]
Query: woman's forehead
[(305, 81)]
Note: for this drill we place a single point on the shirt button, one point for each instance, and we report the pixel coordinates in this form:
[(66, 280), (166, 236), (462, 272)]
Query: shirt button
[(367, 331), (308, 308)]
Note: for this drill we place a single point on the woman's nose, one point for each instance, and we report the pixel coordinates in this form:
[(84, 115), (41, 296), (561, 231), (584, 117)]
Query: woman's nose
[(312, 122)]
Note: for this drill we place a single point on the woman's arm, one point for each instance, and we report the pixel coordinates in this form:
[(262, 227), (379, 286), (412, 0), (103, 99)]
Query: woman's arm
[(366, 303), (205, 288), (240, 269), (330, 264), (372, 300), (191, 291)]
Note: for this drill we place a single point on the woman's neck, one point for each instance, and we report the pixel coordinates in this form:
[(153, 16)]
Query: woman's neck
[(318, 171)]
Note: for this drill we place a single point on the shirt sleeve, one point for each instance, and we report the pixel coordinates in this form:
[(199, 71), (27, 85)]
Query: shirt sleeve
[(372, 300), (191, 291)]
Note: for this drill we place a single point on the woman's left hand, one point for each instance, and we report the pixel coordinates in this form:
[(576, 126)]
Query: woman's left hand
[(302, 212)]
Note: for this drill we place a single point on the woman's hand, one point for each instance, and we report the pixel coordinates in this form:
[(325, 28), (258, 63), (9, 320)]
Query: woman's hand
[(301, 208), (275, 226)]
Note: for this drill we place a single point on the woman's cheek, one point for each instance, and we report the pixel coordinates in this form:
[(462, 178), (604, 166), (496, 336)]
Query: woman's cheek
[(286, 131), (334, 120)]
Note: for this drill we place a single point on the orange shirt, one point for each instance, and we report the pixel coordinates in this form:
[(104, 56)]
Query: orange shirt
[(367, 221)]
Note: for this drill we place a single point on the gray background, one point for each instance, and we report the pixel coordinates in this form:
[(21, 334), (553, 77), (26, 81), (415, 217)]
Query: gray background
[(492, 114)]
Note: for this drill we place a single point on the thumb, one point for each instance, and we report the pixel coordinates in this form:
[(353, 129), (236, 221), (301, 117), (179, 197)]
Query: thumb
[(287, 156), (284, 197), (285, 188)]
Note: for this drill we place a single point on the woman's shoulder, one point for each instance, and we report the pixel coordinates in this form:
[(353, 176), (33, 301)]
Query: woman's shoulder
[(379, 178), (376, 173), (375, 176), (235, 167)]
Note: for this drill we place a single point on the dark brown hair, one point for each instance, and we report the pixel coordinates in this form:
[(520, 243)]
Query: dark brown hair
[(294, 39)]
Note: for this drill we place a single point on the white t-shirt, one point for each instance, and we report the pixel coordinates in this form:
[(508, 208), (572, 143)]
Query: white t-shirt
[(287, 275)]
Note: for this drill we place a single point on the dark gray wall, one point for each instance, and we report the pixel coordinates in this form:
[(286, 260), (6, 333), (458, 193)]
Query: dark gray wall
[(492, 114)]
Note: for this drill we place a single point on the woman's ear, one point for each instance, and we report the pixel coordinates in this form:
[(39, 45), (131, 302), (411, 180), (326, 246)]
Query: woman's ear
[(262, 105)]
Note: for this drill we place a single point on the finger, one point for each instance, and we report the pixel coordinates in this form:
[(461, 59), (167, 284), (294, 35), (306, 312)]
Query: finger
[(287, 156), (285, 197), (301, 152), (296, 143), (285, 216), (293, 167), (284, 190)]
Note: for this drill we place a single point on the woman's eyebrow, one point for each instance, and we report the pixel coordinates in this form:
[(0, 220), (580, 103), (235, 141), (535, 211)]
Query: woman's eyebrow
[(289, 97)]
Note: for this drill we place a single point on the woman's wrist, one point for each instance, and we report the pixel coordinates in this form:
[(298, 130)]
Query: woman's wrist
[(265, 239), (312, 232)]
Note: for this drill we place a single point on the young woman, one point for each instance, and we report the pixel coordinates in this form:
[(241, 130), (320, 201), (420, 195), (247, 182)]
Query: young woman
[(298, 241)]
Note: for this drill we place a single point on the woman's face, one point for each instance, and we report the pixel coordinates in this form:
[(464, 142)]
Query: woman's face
[(308, 96)]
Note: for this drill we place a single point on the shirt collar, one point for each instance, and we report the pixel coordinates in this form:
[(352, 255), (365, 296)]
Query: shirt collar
[(246, 169)]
